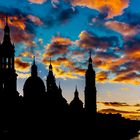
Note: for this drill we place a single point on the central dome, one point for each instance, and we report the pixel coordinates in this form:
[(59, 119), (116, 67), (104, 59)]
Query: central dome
[(33, 87)]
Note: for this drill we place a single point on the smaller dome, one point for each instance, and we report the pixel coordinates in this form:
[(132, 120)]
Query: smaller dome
[(76, 105)]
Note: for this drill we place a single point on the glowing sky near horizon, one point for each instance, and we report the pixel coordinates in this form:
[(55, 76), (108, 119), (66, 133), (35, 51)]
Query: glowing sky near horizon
[(65, 31)]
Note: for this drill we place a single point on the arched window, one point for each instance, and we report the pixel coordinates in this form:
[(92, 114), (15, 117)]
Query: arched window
[(6, 63)]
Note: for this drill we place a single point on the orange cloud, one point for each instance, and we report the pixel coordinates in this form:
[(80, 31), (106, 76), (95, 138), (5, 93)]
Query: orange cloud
[(61, 41), (114, 7), (102, 76), (35, 19), (59, 45), (130, 77), (59, 73), (15, 22), (123, 28), (37, 1), (21, 65), (130, 111)]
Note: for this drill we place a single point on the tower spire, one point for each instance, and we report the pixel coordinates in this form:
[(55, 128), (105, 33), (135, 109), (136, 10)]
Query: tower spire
[(76, 94), (90, 88), (50, 66), (34, 60), (90, 59), (8, 74), (6, 31), (34, 68)]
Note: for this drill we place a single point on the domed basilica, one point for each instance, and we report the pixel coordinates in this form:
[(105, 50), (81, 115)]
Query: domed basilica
[(49, 96)]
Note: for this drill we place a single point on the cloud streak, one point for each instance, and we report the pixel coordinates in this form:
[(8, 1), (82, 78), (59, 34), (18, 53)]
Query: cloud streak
[(37, 1)]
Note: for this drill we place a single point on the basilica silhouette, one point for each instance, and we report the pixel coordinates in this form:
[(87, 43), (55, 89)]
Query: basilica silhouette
[(43, 111), (44, 101)]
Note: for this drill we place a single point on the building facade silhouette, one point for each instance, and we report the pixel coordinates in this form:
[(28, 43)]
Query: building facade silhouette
[(54, 99), (8, 76), (33, 114), (90, 88), (34, 89)]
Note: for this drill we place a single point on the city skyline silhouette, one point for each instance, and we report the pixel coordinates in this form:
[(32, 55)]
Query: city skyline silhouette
[(38, 106), (66, 36), (70, 69)]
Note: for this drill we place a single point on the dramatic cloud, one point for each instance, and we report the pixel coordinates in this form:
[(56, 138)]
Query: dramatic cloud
[(102, 76), (21, 65), (37, 1), (20, 32), (89, 40), (59, 45), (14, 21), (114, 8), (131, 77)]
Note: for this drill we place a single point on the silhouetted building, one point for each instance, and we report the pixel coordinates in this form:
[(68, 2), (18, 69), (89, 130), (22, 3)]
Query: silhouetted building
[(55, 101), (90, 88), (8, 76), (76, 105), (34, 86), (50, 82)]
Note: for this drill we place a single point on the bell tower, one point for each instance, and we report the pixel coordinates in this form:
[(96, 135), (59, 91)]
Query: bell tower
[(90, 89), (51, 84), (8, 76)]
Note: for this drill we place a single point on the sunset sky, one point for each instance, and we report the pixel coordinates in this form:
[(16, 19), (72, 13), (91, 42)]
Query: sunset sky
[(65, 31)]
